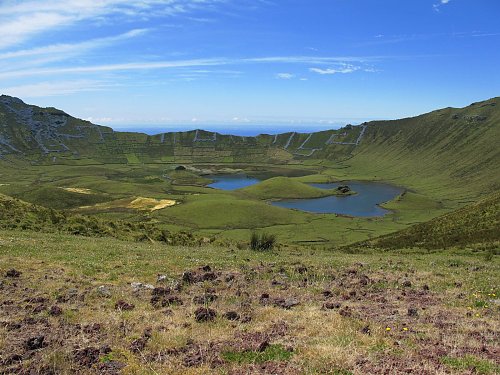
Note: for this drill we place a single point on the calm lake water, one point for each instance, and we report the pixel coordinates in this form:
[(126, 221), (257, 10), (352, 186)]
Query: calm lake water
[(232, 181), (364, 203)]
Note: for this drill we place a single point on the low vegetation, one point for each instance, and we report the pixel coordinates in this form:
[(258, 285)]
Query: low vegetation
[(71, 304)]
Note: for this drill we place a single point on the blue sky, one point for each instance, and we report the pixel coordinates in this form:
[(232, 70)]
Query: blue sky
[(238, 63)]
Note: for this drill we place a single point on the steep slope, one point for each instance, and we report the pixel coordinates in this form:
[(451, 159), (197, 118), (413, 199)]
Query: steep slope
[(27, 130), (452, 148), (478, 223)]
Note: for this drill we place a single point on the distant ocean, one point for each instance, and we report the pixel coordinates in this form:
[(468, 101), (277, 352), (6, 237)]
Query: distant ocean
[(243, 130)]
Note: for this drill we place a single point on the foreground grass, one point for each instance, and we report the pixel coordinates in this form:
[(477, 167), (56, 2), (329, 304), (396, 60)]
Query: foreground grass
[(299, 310)]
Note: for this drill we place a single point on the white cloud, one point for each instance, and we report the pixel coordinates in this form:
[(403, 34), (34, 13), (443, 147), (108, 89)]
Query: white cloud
[(64, 49), (285, 76), (101, 120), (112, 67), (16, 29), (43, 89), (311, 59), (343, 69), (239, 119), (24, 19), (439, 4)]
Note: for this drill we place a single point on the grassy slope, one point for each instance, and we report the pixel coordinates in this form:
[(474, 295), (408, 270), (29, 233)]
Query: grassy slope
[(225, 211), (284, 188), (449, 153), (323, 340), (444, 146), (478, 223), (16, 214), (54, 197)]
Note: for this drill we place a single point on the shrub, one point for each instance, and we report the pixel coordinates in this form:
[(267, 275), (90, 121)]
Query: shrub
[(254, 241), (263, 242)]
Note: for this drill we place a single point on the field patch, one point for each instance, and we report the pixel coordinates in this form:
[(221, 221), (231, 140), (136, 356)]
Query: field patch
[(135, 203), (151, 204)]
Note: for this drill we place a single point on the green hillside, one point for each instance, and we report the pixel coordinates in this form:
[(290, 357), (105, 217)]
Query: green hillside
[(19, 215), (450, 149), (75, 305), (477, 223)]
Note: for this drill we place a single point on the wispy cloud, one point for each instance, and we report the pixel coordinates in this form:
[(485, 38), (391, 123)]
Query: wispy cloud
[(312, 59), (113, 67), (285, 76), (343, 65), (24, 19), (439, 4), (343, 69), (64, 49), (59, 88)]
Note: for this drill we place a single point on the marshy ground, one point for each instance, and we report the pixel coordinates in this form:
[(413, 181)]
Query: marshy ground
[(71, 304)]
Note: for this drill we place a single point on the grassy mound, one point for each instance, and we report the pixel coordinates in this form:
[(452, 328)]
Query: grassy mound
[(184, 177), (218, 211), (477, 223), (284, 188)]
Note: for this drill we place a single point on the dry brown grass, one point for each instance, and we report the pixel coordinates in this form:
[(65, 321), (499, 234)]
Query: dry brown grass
[(137, 203)]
